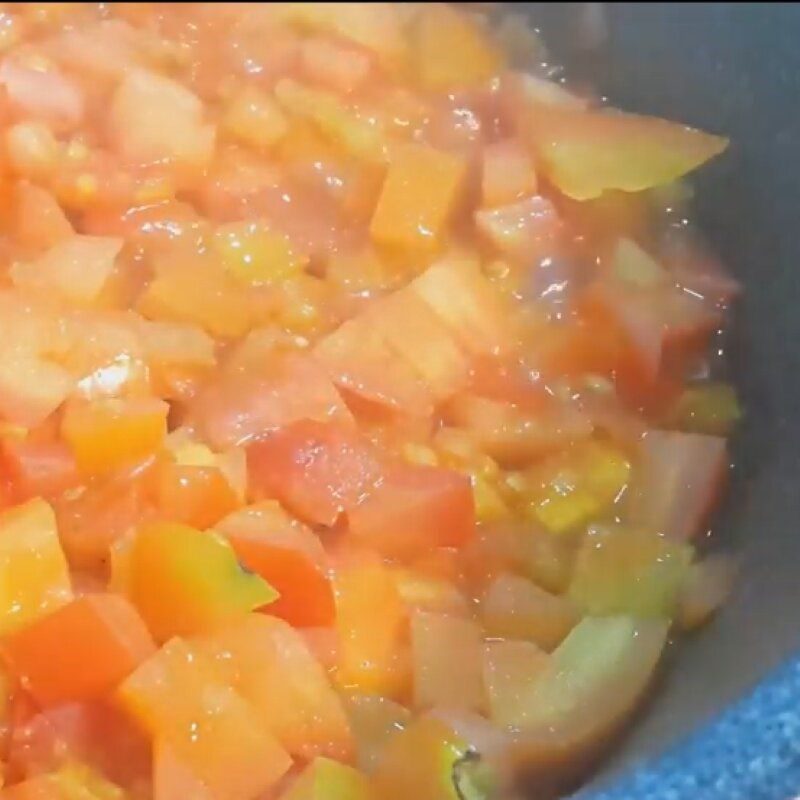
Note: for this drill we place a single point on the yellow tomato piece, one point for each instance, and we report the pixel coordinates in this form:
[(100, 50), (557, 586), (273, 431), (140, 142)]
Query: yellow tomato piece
[(108, 433), (255, 255), (418, 196), (206, 296), (451, 51), (186, 581), (356, 136), (34, 577), (253, 118), (578, 485)]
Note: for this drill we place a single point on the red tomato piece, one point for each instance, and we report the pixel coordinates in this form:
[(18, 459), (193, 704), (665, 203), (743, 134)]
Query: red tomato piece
[(107, 641), (316, 470), (414, 510), (39, 468), (281, 389), (289, 557)]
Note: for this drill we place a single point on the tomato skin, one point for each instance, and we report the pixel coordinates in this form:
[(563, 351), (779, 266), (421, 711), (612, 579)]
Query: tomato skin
[(316, 470), (414, 510)]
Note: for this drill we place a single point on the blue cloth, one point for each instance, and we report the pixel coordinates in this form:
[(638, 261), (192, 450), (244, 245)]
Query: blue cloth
[(751, 752)]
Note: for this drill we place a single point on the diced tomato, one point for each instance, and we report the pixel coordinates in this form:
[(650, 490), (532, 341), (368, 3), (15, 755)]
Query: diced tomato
[(90, 522), (514, 435), (427, 345), (194, 495), (93, 733), (316, 470), (45, 94), (467, 303), (185, 581), (680, 477), (443, 646), (153, 117), (172, 779), (334, 64), (270, 666), (107, 434), (282, 388), (178, 698), (107, 641), (289, 557), (451, 51), (34, 578), (372, 624), (526, 231), (508, 173), (415, 509), (39, 221), (76, 269), (39, 469), (358, 358), (418, 197), (199, 294)]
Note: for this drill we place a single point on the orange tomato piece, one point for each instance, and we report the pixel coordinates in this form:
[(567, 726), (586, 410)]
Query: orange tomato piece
[(372, 624), (415, 509), (289, 557), (418, 197), (270, 665), (107, 641), (178, 698), (451, 51), (107, 434), (316, 470), (194, 495)]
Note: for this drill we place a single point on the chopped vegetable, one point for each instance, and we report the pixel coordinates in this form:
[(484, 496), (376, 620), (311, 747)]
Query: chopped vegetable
[(441, 648), (324, 779), (270, 666), (360, 397), (107, 641), (185, 581), (585, 153), (178, 698), (622, 571), (34, 578), (418, 197)]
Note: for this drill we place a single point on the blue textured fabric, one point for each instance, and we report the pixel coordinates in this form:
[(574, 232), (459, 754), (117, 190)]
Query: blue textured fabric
[(751, 752)]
